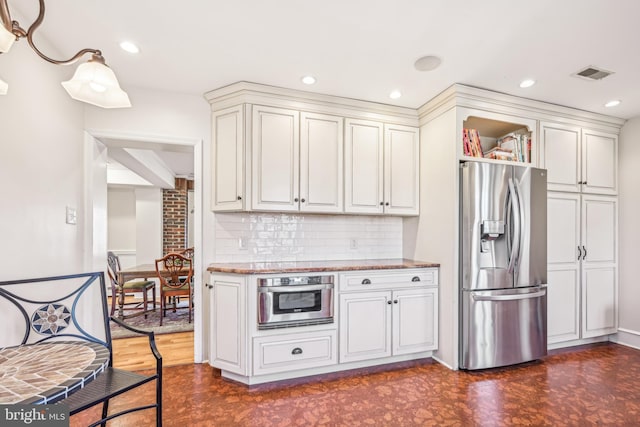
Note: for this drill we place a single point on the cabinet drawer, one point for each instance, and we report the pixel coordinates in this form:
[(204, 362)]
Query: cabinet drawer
[(289, 352), (389, 279)]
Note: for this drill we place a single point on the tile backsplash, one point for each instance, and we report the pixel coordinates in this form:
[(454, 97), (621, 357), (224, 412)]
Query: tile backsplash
[(261, 237)]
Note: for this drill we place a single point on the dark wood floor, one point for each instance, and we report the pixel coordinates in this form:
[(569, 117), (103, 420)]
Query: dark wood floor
[(586, 386)]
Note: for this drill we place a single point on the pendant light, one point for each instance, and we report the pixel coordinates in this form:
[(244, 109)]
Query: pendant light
[(93, 82)]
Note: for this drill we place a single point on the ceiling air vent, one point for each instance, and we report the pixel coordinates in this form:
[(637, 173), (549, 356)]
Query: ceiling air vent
[(592, 73)]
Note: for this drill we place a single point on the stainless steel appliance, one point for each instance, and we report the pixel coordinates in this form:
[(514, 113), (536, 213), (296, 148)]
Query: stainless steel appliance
[(295, 301), (503, 265)]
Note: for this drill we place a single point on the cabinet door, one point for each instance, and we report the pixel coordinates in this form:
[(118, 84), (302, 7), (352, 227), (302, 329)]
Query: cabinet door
[(321, 170), (599, 230), (363, 166), (365, 326), (563, 305), (599, 276), (560, 156), (599, 302), (563, 265), (227, 159), (275, 154), (415, 313), (228, 325), (401, 170), (599, 162)]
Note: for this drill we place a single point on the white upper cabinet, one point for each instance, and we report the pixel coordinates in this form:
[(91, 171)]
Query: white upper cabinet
[(321, 163), (276, 149), (599, 162), (275, 158), (560, 156), (578, 160), (381, 167), (227, 159), (364, 166), (401, 170)]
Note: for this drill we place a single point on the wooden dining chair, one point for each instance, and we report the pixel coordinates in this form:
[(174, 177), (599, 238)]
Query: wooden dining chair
[(117, 291), (175, 273)]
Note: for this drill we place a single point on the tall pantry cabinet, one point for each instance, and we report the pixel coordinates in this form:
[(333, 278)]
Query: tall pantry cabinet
[(579, 149), (582, 230)]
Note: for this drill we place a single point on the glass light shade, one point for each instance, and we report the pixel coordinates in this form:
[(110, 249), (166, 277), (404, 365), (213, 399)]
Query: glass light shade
[(4, 87), (6, 39), (95, 83)]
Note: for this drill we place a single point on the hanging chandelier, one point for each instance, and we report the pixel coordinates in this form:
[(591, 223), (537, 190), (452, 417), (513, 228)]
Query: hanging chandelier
[(93, 82)]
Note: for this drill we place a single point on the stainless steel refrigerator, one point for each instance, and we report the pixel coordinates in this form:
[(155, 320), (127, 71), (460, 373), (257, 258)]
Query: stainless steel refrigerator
[(503, 264)]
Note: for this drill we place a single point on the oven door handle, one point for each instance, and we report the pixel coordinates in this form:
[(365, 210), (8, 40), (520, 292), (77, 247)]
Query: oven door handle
[(293, 288)]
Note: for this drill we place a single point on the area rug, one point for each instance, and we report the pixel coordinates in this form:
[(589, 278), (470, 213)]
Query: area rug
[(173, 322)]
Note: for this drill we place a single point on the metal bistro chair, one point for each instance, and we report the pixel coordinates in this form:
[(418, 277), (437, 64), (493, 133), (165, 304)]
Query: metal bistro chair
[(70, 313), (118, 291), (175, 273)]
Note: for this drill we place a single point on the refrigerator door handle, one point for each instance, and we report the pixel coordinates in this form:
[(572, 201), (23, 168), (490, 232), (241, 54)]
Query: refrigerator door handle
[(515, 246), (508, 297)]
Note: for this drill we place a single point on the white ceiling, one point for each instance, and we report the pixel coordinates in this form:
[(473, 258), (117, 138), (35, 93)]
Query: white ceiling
[(363, 49)]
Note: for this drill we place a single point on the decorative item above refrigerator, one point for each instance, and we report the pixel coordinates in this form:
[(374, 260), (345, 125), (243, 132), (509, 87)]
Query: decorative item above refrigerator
[(503, 264)]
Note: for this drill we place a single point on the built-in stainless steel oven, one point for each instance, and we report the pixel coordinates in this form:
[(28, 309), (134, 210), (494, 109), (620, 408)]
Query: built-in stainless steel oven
[(295, 301)]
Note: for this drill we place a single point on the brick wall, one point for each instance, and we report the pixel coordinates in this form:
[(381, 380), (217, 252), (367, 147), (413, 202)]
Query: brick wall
[(174, 216)]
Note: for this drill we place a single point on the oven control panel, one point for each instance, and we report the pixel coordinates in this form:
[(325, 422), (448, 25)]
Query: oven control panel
[(296, 280)]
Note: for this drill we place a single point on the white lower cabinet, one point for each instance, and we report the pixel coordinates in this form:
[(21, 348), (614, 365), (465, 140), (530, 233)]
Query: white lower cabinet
[(283, 353), (228, 323), (392, 322), (582, 266), (365, 326), (380, 316)]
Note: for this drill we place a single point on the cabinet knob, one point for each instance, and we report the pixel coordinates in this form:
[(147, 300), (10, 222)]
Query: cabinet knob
[(296, 350), (239, 197), (386, 204), (395, 301), (381, 203), (296, 200), (415, 279), (366, 282), (302, 200), (389, 302)]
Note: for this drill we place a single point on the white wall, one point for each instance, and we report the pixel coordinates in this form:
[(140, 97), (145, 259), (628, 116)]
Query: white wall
[(629, 249), (121, 219), (178, 119), (433, 236), (148, 232), (41, 168)]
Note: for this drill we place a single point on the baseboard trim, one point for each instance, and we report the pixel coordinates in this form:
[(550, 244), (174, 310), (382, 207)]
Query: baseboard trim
[(627, 337)]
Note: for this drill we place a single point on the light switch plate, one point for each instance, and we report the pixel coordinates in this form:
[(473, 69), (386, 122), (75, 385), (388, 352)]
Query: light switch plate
[(72, 217)]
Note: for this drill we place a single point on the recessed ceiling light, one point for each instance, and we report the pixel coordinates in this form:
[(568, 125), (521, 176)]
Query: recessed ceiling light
[(129, 47), (427, 63), (527, 83), (308, 80), (395, 94), (613, 103)]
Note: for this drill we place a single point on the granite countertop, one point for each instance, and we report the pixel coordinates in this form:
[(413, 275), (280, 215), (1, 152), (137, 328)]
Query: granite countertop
[(313, 266)]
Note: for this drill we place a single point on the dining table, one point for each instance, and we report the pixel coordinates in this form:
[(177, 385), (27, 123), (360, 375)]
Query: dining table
[(49, 371), (141, 271)]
